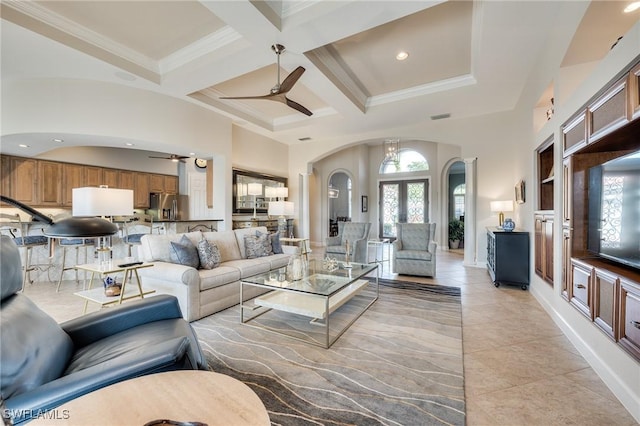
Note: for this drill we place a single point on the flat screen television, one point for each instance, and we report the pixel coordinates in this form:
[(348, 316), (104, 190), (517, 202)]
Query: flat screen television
[(614, 210)]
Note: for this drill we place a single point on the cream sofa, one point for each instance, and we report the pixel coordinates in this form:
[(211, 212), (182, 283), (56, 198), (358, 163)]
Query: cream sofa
[(202, 292)]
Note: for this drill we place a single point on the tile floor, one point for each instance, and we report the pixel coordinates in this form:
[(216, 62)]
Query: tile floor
[(514, 375)]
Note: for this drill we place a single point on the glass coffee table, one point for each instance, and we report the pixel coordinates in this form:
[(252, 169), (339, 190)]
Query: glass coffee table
[(318, 295)]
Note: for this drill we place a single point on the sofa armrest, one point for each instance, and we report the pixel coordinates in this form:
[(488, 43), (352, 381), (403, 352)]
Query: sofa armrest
[(397, 245), (290, 249), (173, 272), (360, 250), (431, 248), (155, 358), (334, 241), (98, 325)]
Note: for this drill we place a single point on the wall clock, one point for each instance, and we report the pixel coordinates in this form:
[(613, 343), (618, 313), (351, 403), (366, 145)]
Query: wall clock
[(200, 163)]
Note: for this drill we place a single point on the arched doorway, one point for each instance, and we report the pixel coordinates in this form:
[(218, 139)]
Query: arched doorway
[(340, 200), (456, 206)]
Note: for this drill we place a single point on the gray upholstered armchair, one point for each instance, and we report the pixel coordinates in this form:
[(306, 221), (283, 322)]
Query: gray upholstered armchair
[(414, 251), (357, 233), (45, 364)]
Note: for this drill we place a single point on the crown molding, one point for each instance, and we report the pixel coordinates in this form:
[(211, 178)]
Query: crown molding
[(424, 89)]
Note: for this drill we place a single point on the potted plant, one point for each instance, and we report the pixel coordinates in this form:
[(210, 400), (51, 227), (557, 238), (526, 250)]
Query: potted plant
[(456, 233)]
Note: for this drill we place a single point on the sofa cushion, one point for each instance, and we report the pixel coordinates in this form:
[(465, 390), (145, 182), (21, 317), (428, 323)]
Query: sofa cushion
[(227, 244), (185, 252), (157, 247), (413, 255), (209, 254), (249, 267), (33, 348), (222, 275)]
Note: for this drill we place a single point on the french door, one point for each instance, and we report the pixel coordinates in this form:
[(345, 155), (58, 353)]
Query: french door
[(404, 201)]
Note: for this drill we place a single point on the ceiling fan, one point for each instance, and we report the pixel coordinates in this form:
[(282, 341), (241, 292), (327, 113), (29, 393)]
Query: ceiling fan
[(279, 91), (173, 157)]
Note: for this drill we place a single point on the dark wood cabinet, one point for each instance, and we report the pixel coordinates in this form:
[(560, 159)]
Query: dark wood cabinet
[(543, 243), (574, 133), (580, 289), (546, 178), (608, 112), (508, 257), (629, 317)]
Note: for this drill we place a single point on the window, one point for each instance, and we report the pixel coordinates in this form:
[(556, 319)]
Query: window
[(458, 201), (409, 161)]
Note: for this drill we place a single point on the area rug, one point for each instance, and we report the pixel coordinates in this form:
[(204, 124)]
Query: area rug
[(400, 363)]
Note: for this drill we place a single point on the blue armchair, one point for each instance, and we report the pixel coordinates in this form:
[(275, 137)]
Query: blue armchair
[(357, 233), (45, 364)]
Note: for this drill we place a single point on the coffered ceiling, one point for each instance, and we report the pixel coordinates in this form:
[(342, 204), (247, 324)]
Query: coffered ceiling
[(465, 58)]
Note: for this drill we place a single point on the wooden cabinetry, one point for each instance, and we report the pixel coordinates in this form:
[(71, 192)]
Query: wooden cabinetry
[(111, 178), (634, 91), (608, 112), (156, 183), (508, 257), (579, 291), (49, 183), (171, 184), (93, 176), (141, 191), (24, 173), (629, 317), (72, 177), (546, 177), (574, 133), (543, 242), (605, 295)]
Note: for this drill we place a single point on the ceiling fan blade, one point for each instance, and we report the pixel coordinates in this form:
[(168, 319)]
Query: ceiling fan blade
[(298, 107), (162, 158), (291, 79)]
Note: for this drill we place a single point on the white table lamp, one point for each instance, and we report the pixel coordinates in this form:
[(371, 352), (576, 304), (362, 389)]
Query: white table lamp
[(254, 189), (281, 209), (500, 207)]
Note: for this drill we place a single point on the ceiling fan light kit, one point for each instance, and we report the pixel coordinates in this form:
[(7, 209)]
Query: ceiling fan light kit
[(279, 91)]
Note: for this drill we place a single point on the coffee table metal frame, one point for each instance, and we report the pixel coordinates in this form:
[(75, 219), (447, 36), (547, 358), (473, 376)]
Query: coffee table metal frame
[(303, 297)]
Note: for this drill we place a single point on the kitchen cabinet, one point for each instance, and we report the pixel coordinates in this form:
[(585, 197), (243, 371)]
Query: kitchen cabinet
[(508, 257), (111, 178), (156, 183), (171, 184), (5, 172), (49, 183), (24, 174), (141, 191), (72, 177), (126, 180), (93, 176)]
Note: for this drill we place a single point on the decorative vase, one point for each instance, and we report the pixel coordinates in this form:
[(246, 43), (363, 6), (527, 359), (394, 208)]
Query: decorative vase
[(295, 267), (508, 225)]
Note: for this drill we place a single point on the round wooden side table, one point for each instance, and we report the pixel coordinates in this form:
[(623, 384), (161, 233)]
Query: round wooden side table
[(184, 396)]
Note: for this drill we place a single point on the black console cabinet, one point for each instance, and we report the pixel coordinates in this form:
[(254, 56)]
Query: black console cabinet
[(508, 257)]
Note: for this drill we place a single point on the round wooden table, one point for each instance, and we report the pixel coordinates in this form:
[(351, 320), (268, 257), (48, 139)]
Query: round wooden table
[(185, 396)]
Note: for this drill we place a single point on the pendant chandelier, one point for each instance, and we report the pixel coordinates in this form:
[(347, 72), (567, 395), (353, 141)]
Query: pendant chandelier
[(391, 151)]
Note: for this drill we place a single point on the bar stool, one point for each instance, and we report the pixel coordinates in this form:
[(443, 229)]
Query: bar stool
[(77, 244), (13, 226), (135, 227)]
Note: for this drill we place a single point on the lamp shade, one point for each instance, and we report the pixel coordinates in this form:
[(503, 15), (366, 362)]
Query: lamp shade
[(280, 208), (282, 192), (502, 206), (102, 201), (270, 192), (254, 189)]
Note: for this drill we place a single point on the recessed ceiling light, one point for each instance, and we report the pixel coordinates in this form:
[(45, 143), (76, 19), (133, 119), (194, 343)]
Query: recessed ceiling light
[(23, 145), (58, 140), (632, 7), (401, 56), (192, 153), (128, 144)]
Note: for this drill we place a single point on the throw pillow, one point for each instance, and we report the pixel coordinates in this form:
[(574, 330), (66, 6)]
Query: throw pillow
[(269, 247), (276, 245), (256, 246), (185, 253), (208, 253)]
